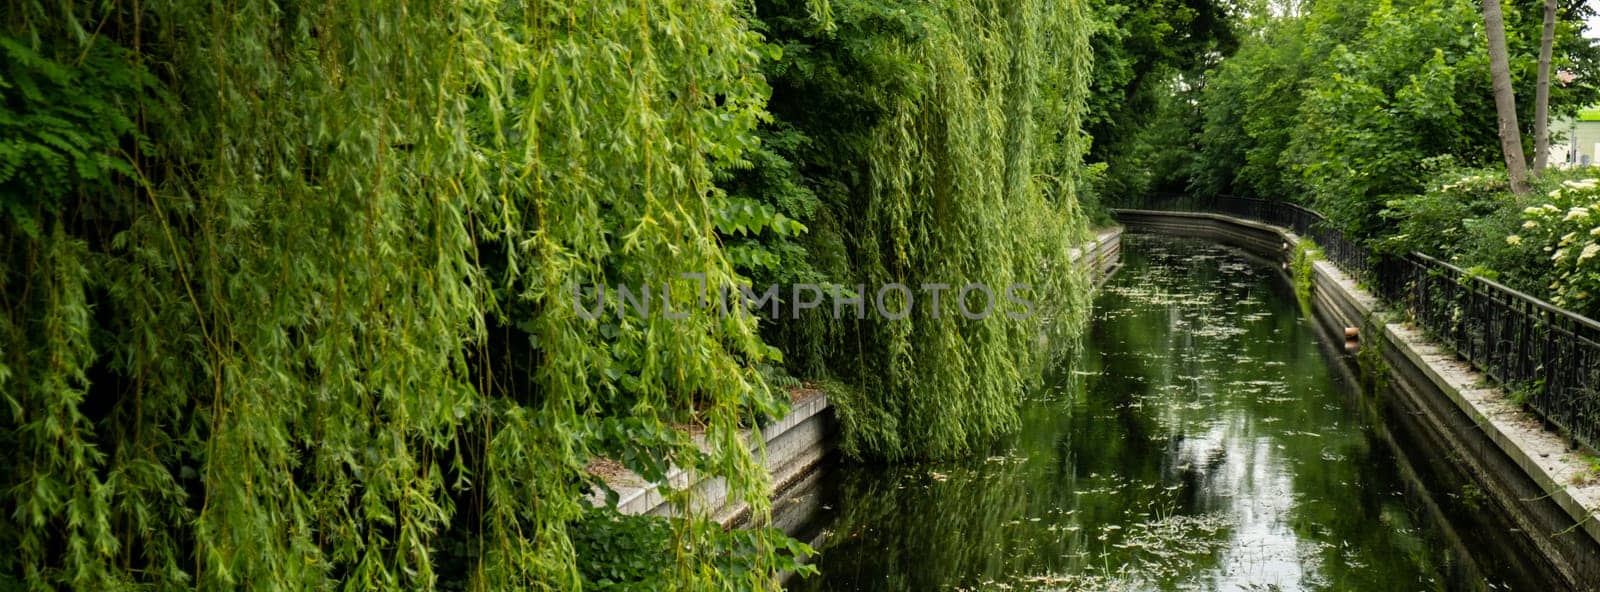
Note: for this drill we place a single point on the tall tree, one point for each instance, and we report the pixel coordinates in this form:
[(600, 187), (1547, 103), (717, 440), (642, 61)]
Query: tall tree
[(1505, 102), (1541, 97), (1141, 48)]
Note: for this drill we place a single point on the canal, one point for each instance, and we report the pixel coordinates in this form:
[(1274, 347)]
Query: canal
[(1199, 439)]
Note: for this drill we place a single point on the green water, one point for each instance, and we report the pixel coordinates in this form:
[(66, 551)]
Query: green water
[(1200, 441)]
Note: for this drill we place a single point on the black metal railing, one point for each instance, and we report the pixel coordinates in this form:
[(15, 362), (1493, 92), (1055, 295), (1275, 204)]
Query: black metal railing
[(1545, 355)]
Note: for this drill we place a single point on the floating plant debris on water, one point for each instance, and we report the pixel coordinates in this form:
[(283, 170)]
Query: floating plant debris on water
[(1198, 441)]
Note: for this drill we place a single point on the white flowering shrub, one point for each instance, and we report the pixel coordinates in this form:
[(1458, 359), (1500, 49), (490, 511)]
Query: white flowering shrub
[(1567, 228), (1542, 243)]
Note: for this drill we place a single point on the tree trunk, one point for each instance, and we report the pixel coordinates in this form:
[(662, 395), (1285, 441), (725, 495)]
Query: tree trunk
[(1541, 98), (1505, 102)]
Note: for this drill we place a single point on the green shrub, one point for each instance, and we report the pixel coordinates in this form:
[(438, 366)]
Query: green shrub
[(1566, 226), (1535, 243), (1440, 221), (1306, 254)]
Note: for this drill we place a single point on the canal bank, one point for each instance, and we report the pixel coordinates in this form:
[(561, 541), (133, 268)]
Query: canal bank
[(1449, 423), (1203, 439), (1439, 502), (794, 445)]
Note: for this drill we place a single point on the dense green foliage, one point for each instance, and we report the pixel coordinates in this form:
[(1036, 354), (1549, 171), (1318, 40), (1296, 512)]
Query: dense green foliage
[(1412, 91), (1380, 115), (925, 143), (1545, 243), (283, 285), (1567, 225), (1147, 54), (287, 287), (1341, 106)]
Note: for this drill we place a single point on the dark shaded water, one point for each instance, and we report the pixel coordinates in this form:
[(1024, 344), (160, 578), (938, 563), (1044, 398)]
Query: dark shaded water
[(1200, 440)]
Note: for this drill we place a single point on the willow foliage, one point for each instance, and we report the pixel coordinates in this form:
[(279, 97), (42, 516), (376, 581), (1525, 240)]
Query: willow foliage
[(930, 143), (283, 286)]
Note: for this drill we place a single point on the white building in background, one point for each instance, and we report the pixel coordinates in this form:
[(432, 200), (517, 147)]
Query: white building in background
[(1577, 141)]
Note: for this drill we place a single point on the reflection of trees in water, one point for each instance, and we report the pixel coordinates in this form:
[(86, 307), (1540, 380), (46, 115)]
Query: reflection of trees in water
[(1200, 435), (929, 524), (1348, 540), (1004, 520)]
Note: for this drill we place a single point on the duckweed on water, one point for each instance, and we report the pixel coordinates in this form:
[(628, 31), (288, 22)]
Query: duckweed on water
[(1200, 441)]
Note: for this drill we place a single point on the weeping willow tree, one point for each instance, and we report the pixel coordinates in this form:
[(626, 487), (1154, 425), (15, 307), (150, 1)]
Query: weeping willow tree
[(928, 144), (284, 288)]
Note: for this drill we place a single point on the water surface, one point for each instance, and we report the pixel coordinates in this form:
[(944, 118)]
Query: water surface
[(1200, 440)]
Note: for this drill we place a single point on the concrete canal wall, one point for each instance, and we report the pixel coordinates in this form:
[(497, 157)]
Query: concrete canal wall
[(1447, 422), (803, 438)]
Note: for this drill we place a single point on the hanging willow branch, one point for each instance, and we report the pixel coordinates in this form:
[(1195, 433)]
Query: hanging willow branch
[(941, 146), (283, 287)]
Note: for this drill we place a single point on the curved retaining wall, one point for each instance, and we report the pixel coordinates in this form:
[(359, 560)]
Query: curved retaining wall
[(1445, 423), (805, 437)]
